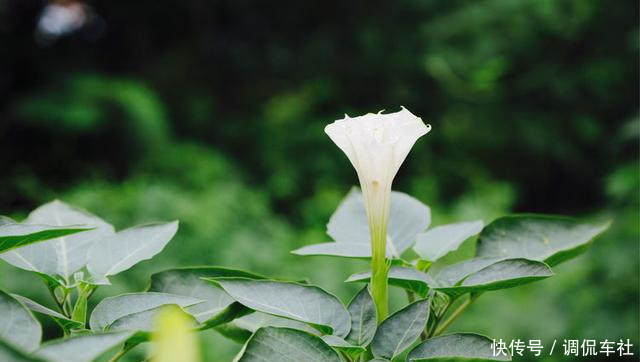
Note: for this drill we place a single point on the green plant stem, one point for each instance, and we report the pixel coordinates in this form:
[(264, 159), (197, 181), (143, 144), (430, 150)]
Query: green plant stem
[(455, 314), (379, 275)]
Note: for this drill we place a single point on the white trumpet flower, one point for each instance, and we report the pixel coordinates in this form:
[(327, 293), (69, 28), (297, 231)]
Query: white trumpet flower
[(377, 145)]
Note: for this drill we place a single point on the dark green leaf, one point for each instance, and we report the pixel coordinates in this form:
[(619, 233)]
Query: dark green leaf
[(18, 327), (189, 282), (83, 348), (272, 344), (340, 344), (364, 320), (537, 237), (459, 347), (304, 303), (400, 330), (111, 309), (500, 275), (64, 322)]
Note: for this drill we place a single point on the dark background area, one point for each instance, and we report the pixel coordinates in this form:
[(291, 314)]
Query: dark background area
[(213, 112)]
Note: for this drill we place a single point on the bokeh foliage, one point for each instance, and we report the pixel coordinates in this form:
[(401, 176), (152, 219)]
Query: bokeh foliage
[(212, 112)]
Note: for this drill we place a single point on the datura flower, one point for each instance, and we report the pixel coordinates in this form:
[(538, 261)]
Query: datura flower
[(377, 145)]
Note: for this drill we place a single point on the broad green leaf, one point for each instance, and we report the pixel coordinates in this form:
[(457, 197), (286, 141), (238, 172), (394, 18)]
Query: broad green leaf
[(402, 277), (349, 225), (83, 348), (129, 247), (272, 344), (188, 282), (9, 353), (500, 275), (17, 235), (257, 320), (63, 255), (458, 347), (304, 303), (242, 328), (340, 344), (537, 237), (441, 240), (400, 330), (454, 273), (111, 309), (144, 321), (18, 327), (64, 322), (364, 319)]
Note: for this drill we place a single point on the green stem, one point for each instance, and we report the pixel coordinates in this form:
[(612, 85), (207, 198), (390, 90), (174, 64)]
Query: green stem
[(455, 314), (379, 274)]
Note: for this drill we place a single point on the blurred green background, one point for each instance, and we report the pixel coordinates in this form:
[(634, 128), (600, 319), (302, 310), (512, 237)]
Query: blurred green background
[(212, 112)]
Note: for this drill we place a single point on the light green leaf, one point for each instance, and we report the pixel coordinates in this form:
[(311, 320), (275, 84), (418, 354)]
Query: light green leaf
[(17, 235), (537, 237), (349, 225), (18, 327), (441, 240), (63, 255), (9, 353), (402, 277), (129, 247), (458, 347), (188, 282), (500, 275), (272, 344), (111, 309), (83, 348), (400, 330), (304, 303), (64, 322), (364, 319)]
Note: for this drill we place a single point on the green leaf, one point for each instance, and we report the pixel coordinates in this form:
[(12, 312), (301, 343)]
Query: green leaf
[(500, 275), (83, 348), (111, 309), (64, 322), (349, 227), (129, 247), (402, 277), (537, 237), (441, 240), (272, 344), (188, 282), (454, 273), (400, 330), (63, 255), (18, 327), (364, 319), (340, 344), (10, 354), (304, 303), (17, 235), (144, 321), (458, 347)]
